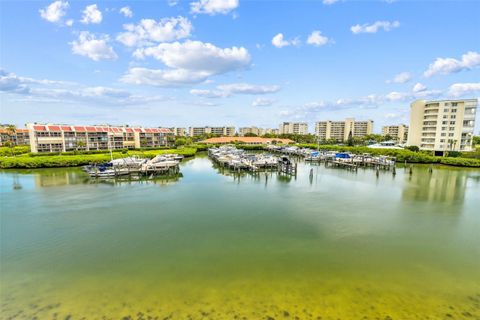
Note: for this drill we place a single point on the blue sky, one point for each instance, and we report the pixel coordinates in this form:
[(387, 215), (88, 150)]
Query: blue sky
[(233, 62)]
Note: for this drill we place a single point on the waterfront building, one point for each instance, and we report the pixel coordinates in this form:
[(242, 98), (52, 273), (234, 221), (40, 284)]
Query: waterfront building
[(443, 125), (179, 132), (221, 131), (251, 130), (341, 130), (293, 128), (272, 131), (62, 138), (17, 137), (246, 140), (398, 132)]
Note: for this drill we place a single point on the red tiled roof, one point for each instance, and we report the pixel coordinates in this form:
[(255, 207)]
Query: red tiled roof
[(66, 128), (129, 129), (137, 130), (40, 128), (90, 129), (54, 128), (79, 129)]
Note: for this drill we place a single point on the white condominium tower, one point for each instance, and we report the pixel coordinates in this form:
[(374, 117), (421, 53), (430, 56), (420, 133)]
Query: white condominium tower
[(340, 130), (397, 132), (445, 125), (294, 128)]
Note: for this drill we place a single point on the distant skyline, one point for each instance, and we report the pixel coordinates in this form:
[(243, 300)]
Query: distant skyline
[(232, 62)]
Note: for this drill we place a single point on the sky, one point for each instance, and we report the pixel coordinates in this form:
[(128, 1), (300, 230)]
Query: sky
[(233, 62)]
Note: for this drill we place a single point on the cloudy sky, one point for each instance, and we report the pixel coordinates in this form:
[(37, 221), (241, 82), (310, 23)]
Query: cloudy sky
[(233, 62)]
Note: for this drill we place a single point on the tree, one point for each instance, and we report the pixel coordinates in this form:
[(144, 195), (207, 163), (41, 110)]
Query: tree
[(81, 144), (413, 148), (11, 130), (180, 142), (350, 139), (250, 134)]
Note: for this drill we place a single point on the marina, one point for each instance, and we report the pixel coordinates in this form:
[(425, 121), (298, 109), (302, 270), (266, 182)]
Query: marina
[(334, 244), (167, 164), (237, 159), (337, 159)]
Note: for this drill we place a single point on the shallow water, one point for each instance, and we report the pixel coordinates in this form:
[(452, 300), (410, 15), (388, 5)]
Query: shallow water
[(211, 245)]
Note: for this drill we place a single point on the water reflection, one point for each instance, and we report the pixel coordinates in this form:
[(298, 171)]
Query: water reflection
[(440, 185)]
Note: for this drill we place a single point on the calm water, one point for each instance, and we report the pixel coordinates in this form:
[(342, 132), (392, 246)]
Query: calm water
[(340, 245)]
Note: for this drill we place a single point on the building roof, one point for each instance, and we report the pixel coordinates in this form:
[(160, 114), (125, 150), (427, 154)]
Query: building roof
[(103, 128), (246, 140)]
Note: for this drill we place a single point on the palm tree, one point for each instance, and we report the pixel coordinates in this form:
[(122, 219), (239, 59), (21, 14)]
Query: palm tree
[(11, 130)]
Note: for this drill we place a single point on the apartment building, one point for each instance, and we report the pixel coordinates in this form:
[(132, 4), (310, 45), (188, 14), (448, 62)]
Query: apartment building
[(397, 132), (221, 131), (18, 137), (443, 125), (179, 132), (293, 128), (61, 138), (340, 130)]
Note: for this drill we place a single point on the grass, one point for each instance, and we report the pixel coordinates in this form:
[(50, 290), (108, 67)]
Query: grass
[(52, 161)]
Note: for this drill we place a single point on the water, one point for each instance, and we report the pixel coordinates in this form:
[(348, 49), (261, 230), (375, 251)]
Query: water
[(339, 245)]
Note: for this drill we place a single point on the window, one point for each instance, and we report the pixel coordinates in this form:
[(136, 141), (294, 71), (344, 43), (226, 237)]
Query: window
[(453, 116), (445, 110), (444, 122), (454, 110), (450, 134), (452, 122), (442, 140)]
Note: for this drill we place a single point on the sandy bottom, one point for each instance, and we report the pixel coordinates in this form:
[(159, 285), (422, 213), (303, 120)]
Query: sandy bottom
[(130, 298)]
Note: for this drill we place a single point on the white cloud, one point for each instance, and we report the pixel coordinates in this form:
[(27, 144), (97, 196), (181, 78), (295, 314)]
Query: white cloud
[(462, 89), (148, 31), (402, 77), (93, 47), (262, 102), (54, 11), (375, 27), (328, 2), (91, 14), (163, 78), (279, 42), (62, 91), (227, 90), (418, 87), (172, 3), (189, 62), (469, 61), (69, 22), (213, 7), (317, 39), (126, 11)]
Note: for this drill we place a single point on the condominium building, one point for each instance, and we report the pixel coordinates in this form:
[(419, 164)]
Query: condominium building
[(397, 132), (341, 130), (293, 128), (445, 125), (251, 130), (17, 137), (221, 131), (61, 138), (179, 132)]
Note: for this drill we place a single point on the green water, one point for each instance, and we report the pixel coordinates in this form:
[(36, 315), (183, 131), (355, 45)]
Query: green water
[(339, 245)]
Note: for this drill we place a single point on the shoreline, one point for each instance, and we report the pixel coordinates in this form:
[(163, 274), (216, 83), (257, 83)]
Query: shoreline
[(74, 159)]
